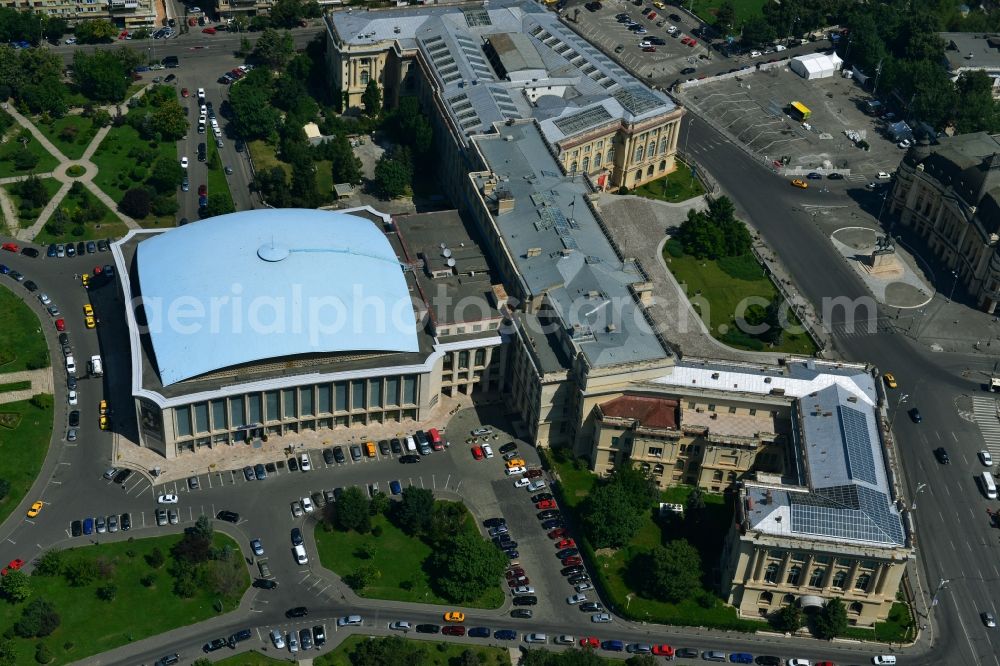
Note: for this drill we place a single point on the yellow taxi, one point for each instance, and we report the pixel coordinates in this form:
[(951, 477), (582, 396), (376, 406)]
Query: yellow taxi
[(516, 462), (85, 279), (454, 616), (88, 309), (800, 183), (659, 5), (890, 380), (105, 424), (35, 509), (104, 407), (90, 322)]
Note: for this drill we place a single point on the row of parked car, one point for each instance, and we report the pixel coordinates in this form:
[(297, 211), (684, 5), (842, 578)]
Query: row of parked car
[(305, 638)]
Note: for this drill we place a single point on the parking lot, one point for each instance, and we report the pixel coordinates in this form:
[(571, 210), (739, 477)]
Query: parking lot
[(752, 107)]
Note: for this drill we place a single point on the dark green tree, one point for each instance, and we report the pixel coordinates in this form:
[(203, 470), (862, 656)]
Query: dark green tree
[(15, 586), (447, 521), (345, 164), (80, 572), (352, 512), (39, 618), (100, 75), (466, 567), (254, 117), (95, 31), (725, 17), (274, 48), (641, 660), (831, 621), (219, 204), (49, 563), (757, 32), (136, 202), (672, 572), (166, 175), (975, 109), (609, 517), (694, 507), (394, 173), (371, 98), (388, 651), (415, 510), (107, 592), (155, 558), (788, 619), (55, 28)]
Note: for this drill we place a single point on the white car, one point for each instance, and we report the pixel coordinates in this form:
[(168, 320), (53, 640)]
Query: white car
[(400, 625), (565, 639), (201, 94), (780, 47), (70, 40), (604, 618), (798, 662), (72, 397), (671, 29), (523, 590), (487, 450), (349, 620), (536, 485), (583, 586), (304, 462), (755, 54), (479, 432), (515, 471), (44, 298), (986, 458), (204, 111), (184, 162), (645, 42), (882, 175), (884, 660), (307, 505), (575, 599), (905, 143), (522, 483), (169, 498), (277, 639), (536, 638)]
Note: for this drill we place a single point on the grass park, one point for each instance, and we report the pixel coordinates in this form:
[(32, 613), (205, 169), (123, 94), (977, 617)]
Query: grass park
[(143, 605), (22, 345), (679, 186), (119, 170), (27, 216), (25, 432), (80, 216), (718, 289), (71, 134), (44, 162), (434, 654)]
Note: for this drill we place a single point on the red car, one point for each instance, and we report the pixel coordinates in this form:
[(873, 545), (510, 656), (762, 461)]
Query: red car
[(566, 543), (60, 325), (533, 473), (649, 49), (209, 30), (13, 566), (184, 92), (123, 35), (590, 642), (663, 650), (546, 504), (558, 533), (515, 572), (11, 247), (685, 40), (517, 581), (477, 452), (572, 561), (202, 190), (692, 42), (237, 72), (453, 630)]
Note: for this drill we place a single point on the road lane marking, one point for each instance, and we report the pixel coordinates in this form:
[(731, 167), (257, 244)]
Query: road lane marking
[(447, 481)]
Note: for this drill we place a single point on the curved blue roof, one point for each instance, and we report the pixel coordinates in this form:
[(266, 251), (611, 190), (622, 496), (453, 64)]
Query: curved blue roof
[(264, 284)]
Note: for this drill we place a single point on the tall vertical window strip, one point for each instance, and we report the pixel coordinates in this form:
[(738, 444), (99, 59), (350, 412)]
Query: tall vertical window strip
[(273, 406), (409, 390), (375, 393), (392, 391), (288, 400), (341, 389), (201, 417), (183, 416), (358, 395), (325, 399), (255, 415), (237, 412), (306, 401), (218, 415)]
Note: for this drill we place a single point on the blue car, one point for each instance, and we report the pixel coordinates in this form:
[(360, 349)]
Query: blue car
[(4, 270), (505, 635), (479, 632), (613, 646), (88, 526), (741, 658), (512, 554), (396, 489), (51, 252)]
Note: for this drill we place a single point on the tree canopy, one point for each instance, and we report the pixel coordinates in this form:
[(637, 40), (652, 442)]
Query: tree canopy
[(615, 511), (273, 48), (672, 572), (714, 233), (466, 566)]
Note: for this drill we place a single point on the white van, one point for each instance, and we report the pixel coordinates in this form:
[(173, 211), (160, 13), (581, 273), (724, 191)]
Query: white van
[(71, 369), (411, 444), (95, 367), (300, 554), (884, 660), (989, 486)]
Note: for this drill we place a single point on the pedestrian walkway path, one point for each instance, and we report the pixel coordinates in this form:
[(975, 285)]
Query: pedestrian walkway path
[(988, 419), (41, 382)]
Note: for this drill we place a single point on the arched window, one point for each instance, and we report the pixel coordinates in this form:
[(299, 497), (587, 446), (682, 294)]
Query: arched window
[(863, 581), (365, 77), (651, 148), (788, 599), (663, 145), (731, 476), (793, 575), (766, 598), (649, 171), (586, 164), (663, 165), (597, 160), (771, 574), (840, 579), (638, 154), (855, 608), (638, 175), (816, 577), (572, 168)]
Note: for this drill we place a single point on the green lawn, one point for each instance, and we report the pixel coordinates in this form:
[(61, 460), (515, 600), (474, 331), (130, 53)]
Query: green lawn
[(14, 386), (90, 625), (217, 179), (106, 226), (720, 286), (257, 659), (22, 345), (745, 9), (28, 217), (434, 654), (46, 161), (119, 170), (264, 158), (22, 447), (679, 186), (400, 559), (72, 146)]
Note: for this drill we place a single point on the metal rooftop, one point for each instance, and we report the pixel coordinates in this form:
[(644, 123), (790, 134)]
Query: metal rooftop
[(561, 250), (267, 284)]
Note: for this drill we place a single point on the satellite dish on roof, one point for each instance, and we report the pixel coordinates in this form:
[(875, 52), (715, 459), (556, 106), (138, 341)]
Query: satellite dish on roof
[(451, 262), (446, 252)]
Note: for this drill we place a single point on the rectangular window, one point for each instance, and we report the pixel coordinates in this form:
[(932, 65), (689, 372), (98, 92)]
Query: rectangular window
[(656, 451), (255, 416), (480, 357), (463, 360), (201, 417), (409, 390), (375, 393), (615, 441), (306, 401), (358, 395), (341, 389), (218, 415), (325, 399), (183, 415), (753, 412), (288, 400), (392, 390), (237, 412), (273, 406)]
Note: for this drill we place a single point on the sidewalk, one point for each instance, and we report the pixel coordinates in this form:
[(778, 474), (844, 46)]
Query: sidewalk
[(41, 382)]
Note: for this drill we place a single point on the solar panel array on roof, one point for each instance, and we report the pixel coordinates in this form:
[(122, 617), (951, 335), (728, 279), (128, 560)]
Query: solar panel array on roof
[(857, 444), (846, 512), (636, 100), (583, 120), (477, 17)]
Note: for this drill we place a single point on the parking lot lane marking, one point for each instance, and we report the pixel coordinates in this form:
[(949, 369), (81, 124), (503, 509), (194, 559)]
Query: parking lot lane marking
[(447, 481), (11, 540), (232, 475), (458, 486), (421, 481), (58, 483), (64, 463)]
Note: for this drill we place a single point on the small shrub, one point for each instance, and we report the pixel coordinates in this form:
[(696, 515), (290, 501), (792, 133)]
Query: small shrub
[(674, 248), (42, 654), (377, 531)]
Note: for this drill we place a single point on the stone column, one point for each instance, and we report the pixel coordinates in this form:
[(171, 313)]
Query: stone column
[(807, 567), (783, 569), (852, 574), (758, 568), (828, 579), (883, 575)]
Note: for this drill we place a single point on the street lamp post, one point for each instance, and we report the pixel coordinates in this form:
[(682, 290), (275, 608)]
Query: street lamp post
[(953, 285), (920, 489), (902, 399), (934, 597)]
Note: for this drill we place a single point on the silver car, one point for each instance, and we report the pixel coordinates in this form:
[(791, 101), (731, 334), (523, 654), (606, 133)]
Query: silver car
[(277, 639)]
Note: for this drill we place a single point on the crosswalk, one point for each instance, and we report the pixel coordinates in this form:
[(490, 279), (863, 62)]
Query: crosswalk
[(861, 328), (987, 416)]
